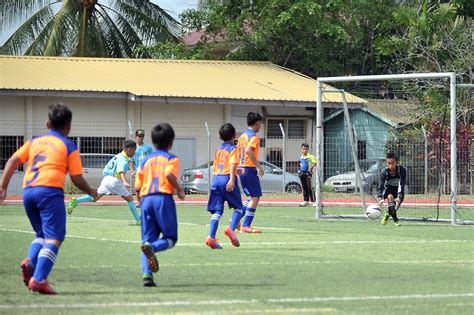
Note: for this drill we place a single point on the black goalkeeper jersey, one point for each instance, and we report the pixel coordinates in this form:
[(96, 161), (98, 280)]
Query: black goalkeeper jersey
[(396, 181)]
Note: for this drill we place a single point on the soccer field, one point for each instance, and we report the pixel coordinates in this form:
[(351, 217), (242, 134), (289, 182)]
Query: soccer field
[(297, 265)]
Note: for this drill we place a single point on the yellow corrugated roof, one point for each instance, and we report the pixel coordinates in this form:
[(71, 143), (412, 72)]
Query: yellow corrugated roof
[(246, 80)]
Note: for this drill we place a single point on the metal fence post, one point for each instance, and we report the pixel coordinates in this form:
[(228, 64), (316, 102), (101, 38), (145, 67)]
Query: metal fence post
[(208, 159), (283, 155), (426, 158)]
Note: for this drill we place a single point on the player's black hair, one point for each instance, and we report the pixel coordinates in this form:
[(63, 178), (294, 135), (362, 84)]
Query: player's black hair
[(227, 132), (162, 136), (305, 145), (391, 155), (253, 117), (59, 116), (129, 144)]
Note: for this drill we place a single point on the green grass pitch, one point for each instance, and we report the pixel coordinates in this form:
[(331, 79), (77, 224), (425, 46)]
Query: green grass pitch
[(298, 265)]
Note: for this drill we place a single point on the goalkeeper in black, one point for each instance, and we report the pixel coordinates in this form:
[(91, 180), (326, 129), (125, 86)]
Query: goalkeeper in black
[(392, 181)]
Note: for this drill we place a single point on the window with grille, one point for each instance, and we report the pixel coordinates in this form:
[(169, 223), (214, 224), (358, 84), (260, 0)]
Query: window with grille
[(294, 128), (8, 146)]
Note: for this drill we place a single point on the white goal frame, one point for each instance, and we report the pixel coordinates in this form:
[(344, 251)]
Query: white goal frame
[(320, 138)]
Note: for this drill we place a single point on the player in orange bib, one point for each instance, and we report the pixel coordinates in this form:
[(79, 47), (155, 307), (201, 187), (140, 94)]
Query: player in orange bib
[(49, 158), (224, 188), (248, 146), (156, 182)]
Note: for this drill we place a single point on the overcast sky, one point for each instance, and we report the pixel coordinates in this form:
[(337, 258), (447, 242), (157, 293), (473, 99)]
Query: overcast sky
[(174, 8)]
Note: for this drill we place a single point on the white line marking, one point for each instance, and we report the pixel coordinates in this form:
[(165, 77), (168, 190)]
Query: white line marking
[(265, 243), (179, 223), (256, 263), (232, 302)]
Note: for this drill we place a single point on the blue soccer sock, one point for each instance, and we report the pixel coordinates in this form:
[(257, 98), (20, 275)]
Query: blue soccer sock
[(249, 214), (46, 259), (144, 262), (35, 248), (215, 218), (236, 216), (86, 198), (162, 244), (133, 210)]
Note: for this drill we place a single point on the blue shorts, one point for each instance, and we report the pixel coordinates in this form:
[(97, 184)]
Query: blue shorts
[(46, 211), (251, 182), (219, 195), (159, 218)]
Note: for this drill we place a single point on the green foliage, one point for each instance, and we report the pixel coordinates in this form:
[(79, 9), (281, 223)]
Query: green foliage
[(90, 28)]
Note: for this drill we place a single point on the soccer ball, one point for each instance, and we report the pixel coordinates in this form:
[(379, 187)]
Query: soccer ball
[(373, 212)]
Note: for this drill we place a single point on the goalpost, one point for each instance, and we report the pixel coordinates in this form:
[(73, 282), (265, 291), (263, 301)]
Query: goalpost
[(320, 154)]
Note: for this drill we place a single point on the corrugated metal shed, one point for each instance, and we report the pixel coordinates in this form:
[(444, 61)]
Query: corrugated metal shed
[(235, 80)]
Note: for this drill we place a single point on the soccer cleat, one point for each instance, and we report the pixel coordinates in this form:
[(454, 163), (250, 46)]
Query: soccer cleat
[(152, 261), (148, 281), (249, 229), (71, 205), (385, 218), (42, 287), (397, 223), (212, 243), (27, 269), (233, 239), (304, 204)]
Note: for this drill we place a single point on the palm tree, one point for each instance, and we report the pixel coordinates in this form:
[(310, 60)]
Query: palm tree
[(95, 28)]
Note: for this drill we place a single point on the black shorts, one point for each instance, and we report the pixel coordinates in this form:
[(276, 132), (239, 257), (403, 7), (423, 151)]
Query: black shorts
[(392, 190)]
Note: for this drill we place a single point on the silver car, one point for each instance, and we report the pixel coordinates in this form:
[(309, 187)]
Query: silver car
[(196, 180), (346, 182)]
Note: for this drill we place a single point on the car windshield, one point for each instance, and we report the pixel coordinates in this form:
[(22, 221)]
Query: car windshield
[(373, 169)]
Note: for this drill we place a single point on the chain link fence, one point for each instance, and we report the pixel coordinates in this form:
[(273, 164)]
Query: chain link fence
[(425, 156)]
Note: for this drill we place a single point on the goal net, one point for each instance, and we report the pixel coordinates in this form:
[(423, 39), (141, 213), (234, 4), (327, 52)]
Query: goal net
[(422, 119)]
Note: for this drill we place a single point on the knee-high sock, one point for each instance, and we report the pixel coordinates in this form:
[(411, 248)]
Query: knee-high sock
[(86, 198), (249, 214), (133, 210), (236, 216), (392, 211), (46, 259), (214, 224), (35, 248), (144, 263), (163, 244)]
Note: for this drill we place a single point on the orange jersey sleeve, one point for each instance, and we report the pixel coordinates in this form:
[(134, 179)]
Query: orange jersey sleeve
[(74, 163), (49, 158), (23, 152)]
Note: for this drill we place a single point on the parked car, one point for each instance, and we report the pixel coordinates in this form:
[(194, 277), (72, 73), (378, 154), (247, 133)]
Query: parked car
[(196, 180), (346, 182)]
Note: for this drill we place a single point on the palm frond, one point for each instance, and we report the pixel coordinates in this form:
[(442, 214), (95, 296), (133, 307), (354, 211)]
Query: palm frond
[(27, 32), (151, 24), (118, 46), (64, 20), (15, 11)]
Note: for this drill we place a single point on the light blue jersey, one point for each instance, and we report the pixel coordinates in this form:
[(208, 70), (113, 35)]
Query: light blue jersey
[(141, 154), (118, 164)]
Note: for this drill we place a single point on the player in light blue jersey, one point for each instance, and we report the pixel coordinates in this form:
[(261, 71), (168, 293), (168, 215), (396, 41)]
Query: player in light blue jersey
[(143, 150), (114, 181)]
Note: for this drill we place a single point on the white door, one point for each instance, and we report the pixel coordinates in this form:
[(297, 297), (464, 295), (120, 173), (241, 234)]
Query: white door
[(185, 149)]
